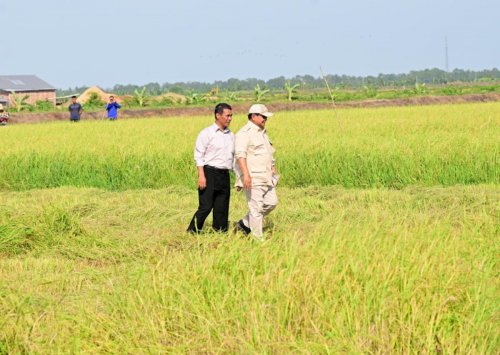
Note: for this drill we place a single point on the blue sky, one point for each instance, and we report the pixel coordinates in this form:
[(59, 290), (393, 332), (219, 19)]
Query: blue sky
[(108, 42)]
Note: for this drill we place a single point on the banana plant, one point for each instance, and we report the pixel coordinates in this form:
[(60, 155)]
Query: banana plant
[(259, 93), (231, 96), (141, 97), (291, 90), (194, 98), (19, 102), (420, 89)]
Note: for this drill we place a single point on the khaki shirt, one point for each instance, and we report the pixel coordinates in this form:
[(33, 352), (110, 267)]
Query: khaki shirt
[(253, 144)]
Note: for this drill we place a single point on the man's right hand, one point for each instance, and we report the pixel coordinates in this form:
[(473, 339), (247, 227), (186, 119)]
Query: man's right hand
[(202, 183), (247, 182)]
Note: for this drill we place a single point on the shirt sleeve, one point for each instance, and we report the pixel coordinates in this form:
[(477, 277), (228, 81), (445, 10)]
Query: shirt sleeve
[(200, 148), (241, 145)]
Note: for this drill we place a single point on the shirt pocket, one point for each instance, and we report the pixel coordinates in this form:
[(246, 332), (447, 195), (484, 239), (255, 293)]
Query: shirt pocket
[(258, 148)]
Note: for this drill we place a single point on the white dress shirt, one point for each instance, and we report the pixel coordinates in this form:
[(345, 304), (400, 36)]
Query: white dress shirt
[(215, 147)]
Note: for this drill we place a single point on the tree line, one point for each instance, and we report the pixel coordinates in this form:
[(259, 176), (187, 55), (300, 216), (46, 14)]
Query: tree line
[(427, 76)]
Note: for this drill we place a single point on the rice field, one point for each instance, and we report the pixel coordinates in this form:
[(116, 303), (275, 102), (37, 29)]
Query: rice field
[(361, 148), (386, 238)]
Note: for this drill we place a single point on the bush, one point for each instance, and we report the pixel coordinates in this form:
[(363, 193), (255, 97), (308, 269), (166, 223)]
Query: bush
[(44, 105), (452, 90), (164, 101), (370, 91), (94, 101)]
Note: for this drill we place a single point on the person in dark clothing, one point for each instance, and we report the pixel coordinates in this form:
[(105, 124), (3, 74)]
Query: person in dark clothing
[(75, 110), (214, 154)]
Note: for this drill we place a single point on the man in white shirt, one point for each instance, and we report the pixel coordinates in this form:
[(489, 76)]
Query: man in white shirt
[(214, 155), (255, 170)]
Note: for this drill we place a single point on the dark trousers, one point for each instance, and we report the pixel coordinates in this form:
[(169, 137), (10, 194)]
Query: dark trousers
[(215, 196)]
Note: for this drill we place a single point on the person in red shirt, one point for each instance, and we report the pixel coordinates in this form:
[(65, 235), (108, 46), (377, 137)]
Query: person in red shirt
[(4, 116)]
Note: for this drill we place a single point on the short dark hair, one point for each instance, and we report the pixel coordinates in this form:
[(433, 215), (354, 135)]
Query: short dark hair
[(111, 97), (73, 97), (219, 109), (251, 114)]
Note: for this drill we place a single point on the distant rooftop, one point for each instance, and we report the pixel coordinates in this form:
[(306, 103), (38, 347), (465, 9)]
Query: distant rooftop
[(23, 83)]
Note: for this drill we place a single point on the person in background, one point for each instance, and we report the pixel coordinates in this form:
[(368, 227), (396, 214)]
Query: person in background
[(75, 110), (255, 171), (214, 155), (112, 108), (4, 116)]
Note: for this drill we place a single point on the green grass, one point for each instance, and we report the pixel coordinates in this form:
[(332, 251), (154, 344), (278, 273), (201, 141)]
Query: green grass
[(392, 147), (382, 93), (87, 270)]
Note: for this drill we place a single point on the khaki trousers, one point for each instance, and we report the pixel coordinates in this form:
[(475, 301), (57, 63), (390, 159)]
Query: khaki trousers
[(261, 200)]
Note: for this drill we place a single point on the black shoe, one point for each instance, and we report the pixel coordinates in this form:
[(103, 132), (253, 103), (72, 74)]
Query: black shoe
[(242, 228)]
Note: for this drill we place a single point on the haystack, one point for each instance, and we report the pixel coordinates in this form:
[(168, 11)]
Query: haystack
[(172, 96), (84, 97)]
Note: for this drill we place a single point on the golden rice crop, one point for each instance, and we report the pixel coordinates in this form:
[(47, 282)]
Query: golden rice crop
[(392, 147)]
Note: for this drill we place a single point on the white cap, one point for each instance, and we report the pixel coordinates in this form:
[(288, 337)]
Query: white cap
[(260, 109)]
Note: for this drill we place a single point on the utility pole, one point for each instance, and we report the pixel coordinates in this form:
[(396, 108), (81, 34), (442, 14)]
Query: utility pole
[(446, 54)]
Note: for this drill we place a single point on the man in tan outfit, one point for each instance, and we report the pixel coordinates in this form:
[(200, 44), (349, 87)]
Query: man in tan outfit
[(255, 170)]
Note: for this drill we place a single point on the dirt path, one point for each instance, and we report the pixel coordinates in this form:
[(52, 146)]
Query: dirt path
[(239, 108)]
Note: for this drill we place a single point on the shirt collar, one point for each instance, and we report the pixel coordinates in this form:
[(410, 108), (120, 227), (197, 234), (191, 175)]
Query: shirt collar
[(216, 128), (255, 127)]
